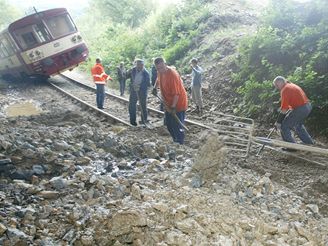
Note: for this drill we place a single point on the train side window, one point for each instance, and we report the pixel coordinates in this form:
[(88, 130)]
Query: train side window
[(7, 45), (2, 55), (60, 25), (4, 49), (11, 43)]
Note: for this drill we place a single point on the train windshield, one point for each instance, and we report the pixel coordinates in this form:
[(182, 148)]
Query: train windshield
[(60, 25), (32, 35)]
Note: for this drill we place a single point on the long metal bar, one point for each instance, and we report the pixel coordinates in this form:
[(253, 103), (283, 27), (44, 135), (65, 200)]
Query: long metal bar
[(263, 145)]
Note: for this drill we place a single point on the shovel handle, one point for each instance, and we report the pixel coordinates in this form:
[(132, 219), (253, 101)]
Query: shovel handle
[(176, 118)]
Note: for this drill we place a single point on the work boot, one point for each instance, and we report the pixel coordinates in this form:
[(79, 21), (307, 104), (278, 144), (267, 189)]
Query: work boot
[(197, 110), (200, 113)]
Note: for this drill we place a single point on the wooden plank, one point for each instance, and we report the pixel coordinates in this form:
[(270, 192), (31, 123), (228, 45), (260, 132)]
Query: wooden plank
[(279, 143), (301, 157)]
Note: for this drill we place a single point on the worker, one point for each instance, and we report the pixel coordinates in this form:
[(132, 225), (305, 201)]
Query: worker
[(295, 108), (196, 85), (174, 98), (140, 82), (100, 78), (121, 75)]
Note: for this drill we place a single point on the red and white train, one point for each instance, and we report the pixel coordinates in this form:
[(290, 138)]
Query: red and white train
[(41, 44)]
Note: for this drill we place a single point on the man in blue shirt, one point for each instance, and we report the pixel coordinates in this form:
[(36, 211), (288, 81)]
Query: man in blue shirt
[(196, 85), (140, 81)]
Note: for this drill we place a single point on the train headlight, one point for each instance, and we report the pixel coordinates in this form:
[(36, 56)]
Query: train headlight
[(31, 55), (48, 61), (38, 52), (79, 38), (74, 39), (80, 50)]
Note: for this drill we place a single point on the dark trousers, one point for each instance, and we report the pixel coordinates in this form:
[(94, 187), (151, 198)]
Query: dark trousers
[(295, 121), (134, 97), (174, 128), (122, 86), (100, 98)]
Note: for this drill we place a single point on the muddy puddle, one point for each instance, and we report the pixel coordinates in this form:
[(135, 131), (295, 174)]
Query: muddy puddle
[(22, 109)]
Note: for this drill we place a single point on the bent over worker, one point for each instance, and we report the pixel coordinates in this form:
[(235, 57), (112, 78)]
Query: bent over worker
[(140, 81), (99, 78), (295, 108), (174, 97)]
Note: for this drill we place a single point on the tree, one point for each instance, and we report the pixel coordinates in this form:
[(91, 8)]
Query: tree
[(8, 14), (129, 12)]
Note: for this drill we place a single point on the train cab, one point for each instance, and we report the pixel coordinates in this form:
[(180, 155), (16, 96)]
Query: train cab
[(44, 44)]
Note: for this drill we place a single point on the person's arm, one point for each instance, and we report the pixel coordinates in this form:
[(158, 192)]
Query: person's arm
[(175, 91), (197, 70), (129, 74), (175, 101), (147, 78), (109, 78), (284, 102)]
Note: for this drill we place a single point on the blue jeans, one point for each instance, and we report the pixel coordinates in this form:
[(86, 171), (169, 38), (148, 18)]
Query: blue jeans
[(142, 97), (100, 92), (174, 128), (295, 121), (122, 86)]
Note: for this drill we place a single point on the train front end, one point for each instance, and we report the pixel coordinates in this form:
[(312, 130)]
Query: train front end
[(49, 42)]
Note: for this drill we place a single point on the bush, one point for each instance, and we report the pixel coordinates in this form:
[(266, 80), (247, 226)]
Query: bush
[(292, 42)]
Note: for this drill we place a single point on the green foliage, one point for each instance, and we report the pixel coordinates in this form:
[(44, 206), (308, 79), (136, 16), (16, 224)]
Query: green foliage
[(8, 13), (168, 31), (257, 96), (291, 42), (130, 12)]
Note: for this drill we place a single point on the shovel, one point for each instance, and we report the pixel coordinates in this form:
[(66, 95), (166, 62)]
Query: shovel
[(176, 118)]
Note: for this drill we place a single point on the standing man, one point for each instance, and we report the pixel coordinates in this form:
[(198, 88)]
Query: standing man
[(196, 85), (293, 100), (140, 81), (100, 78), (174, 97), (121, 75), (153, 74), (153, 82)]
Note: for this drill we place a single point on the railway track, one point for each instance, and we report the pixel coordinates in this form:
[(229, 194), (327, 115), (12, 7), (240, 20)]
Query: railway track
[(236, 132)]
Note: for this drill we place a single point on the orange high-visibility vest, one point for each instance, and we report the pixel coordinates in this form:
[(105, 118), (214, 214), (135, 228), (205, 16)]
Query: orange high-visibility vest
[(98, 74)]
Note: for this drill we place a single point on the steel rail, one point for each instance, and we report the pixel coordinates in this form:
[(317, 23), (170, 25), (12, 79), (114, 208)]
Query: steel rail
[(191, 122), (116, 119)]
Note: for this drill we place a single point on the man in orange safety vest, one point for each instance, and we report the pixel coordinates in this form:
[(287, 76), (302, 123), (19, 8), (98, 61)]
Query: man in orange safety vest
[(100, 78)]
